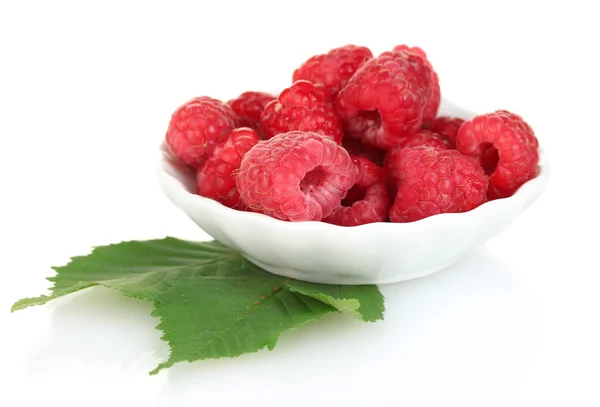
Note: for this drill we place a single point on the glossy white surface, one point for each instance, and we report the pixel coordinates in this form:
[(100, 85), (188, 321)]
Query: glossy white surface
[(84, 94), (377, 253)]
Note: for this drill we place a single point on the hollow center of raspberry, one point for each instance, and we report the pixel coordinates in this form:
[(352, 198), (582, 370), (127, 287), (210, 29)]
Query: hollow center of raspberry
[(355, 194), (489, 158), (371, 118), (312, 179)]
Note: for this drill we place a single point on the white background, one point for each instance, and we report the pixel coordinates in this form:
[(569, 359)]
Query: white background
[(86, 92)]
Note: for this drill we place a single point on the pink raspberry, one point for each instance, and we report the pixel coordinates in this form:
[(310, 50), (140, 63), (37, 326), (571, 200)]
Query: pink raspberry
[(506, 147), (368, 201), (216, 178), (445, 126), (385, 99), (426, 138), (422, 138), (430, 181), (332, 70), (197, 127), (301, 107), (433, 103), (295, 176), (248, 107)]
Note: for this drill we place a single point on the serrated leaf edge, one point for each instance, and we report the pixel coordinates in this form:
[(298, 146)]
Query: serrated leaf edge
[(334, 302), (43, 299), (270, 347)]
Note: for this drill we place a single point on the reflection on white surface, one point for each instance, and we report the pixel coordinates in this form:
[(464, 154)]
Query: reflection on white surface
[(465, 336), (99, 325)]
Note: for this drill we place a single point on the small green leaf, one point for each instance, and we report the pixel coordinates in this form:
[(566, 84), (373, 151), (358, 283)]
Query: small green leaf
[(364, 302)]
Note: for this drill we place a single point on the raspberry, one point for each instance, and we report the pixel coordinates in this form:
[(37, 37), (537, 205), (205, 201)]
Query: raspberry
[(506, 146), (426, 138), (384, 101), (358, 149), (332, 70), (248, 107), (446, 127), (368, 201), (301, 107), (432, 181), (197, 127), (216, 178), (422, 138), (433, 103), (295, 176)]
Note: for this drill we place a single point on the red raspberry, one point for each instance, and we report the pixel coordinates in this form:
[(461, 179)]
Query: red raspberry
[(432, 181), (446, 127), (197, 127), (248, 107), (216, 178), (384, 101), (422, 138), (358, 149), (301, 107), (295, 176), (506, 147), (368, 201), (332, 70), (433, 103), (426, 138)]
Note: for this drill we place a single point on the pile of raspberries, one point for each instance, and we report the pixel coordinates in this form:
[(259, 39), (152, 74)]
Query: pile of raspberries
[(355, 139)]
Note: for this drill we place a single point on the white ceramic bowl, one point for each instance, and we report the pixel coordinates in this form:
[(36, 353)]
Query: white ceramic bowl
[(375, 253)]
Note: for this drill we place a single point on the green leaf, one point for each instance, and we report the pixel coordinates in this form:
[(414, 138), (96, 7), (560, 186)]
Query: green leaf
[(216, 318), (210, 300), (364, 302)]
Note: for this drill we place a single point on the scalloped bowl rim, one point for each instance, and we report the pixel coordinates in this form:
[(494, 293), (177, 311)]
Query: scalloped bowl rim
[(527, 189)]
